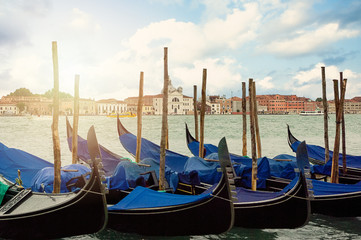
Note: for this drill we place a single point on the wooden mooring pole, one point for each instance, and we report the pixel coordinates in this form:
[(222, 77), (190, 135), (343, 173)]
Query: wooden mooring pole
[(195, 111), (253, 138), (339, 108), (139, 118), (74, 148), (203, 112), (164, 124), (255, 113), (244, 118), (55, 125), (343, 128), (325, 115)]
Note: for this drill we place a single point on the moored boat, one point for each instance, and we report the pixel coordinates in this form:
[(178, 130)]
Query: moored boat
[(317, 158), (287, 208), (338, 200), (29, 215), (173, 215), (122, 115), (311, 113)]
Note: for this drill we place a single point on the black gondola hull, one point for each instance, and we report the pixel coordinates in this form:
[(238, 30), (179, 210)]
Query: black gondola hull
[(340, 205), (288, 211), (213, 215), (83, 213)]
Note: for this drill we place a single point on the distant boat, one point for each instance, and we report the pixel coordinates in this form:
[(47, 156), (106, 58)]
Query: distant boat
[(126, 114), (311, 113)]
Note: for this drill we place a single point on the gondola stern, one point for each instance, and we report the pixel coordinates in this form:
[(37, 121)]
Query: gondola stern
[(189, 136), (290, 138), (228, 177), (121, 129)]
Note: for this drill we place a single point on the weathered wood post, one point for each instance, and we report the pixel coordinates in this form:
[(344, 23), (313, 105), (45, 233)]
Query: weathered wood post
[(164, 123), (325, 115), (74, 148), (253, 138), (344, 167), (139, 118), (203, 112), (339, 108), (195, 111), (55, 125), (244, 118), (255, 113)]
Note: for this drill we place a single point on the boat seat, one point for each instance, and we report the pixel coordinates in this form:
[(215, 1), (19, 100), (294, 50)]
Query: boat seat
[(153, 182), (77, 182), (12, 203)]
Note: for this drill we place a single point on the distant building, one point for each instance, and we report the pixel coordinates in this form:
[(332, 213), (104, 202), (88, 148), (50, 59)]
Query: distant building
[(7, 109), (110, 106), (225, 105), (178, 104), (36, 105)]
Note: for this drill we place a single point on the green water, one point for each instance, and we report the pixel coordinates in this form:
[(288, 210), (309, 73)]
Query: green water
[(33, 134)]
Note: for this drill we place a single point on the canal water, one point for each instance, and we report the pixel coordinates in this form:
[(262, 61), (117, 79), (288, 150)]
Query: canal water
[(33, 134)]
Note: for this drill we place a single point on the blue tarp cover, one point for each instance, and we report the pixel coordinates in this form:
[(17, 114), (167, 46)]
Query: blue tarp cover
[(12, 159), (43, 181), (247, 195), (173, 160), (207, 170), (210, 149), (133, 171), (324, 188), (283, 169), (142, 197), (118, 179), (317, 152), (110, 160)]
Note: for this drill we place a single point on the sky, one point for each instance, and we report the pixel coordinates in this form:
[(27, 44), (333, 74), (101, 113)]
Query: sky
[(280, 44)]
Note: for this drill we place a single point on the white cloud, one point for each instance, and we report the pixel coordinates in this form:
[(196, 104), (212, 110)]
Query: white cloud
[(308, 83), (221, 73), (238, 27), (83, 21), (304, 41), (265, 83)]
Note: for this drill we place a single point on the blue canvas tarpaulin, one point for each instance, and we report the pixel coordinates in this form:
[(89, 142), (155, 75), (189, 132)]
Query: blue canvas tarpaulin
[(247, 195), (207, 170), (318, 153), (173, 160), (133, 171), (110, 160), (12, 160), (283, 169), (142, 197), (43, 181), (325, 188)]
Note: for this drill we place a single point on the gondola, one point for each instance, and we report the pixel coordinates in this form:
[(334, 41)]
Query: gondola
[(122, 175), (317, 158), (287, 208), (338, 200), (110, 159), (29, 215), (148, 212), (181, 163)]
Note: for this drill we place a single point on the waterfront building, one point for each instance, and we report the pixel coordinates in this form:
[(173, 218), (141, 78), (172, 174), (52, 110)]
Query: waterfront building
[(35, 105), (86, 106), (225, 105), (8, 109), (110, 106), (178, 104)]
